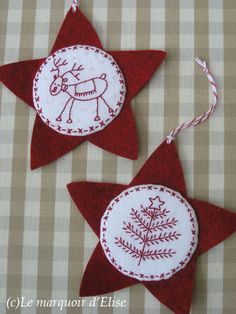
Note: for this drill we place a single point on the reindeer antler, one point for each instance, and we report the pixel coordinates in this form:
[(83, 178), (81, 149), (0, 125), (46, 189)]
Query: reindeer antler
[(58, 65), (80, 68)]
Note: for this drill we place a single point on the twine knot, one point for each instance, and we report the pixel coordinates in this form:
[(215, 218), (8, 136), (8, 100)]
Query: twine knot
[(203, 64), (170, 138), (74, 5)]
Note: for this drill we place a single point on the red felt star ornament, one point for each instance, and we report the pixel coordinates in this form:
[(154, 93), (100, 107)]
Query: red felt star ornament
[(163, 168), (119, 137)]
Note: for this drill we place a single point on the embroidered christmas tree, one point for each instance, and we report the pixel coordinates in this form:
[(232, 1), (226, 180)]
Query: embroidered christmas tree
[(149, 228)]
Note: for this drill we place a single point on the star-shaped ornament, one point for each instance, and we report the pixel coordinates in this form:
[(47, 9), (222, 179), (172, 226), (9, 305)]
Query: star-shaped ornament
[(152, 243), (81, 92)]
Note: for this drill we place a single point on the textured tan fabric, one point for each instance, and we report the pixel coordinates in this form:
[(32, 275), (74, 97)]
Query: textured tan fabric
[(44, 241)]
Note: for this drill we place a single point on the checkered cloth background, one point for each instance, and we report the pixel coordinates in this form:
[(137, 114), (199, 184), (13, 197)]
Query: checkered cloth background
[(44, 241)]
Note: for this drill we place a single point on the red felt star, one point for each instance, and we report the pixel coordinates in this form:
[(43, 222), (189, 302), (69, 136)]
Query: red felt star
[(119, 137), (162, 168)]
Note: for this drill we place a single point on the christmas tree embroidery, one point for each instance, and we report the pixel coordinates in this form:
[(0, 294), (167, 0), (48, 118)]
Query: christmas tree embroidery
[(149, 227)]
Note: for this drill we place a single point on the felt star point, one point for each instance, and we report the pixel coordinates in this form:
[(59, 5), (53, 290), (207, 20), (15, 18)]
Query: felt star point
[(54, 136), (209, 225)]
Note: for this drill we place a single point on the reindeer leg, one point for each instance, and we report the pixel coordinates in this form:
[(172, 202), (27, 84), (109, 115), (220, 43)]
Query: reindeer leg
[(97, 118), (110, 110), (71, 106), (64, 108)]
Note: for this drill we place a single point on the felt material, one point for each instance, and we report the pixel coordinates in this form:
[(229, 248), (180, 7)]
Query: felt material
[(106, 280), (48, 145), (176, 292), (215, 225), (123, 143), (76, 29), (79, 90), (138, 67), (18, 77), (92, 200), (163, 168), (120, 136), (149, 232)]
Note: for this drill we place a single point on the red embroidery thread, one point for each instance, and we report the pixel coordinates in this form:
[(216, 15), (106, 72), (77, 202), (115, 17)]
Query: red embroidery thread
[(112, 112), (61, 83), (149, 231)]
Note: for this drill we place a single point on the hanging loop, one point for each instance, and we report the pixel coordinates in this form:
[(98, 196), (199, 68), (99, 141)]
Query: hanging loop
[(74, 5), (206, 115)]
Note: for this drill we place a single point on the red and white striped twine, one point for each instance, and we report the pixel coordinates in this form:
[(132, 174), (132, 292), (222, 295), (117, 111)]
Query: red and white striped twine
[(206, 115), (74, 5)]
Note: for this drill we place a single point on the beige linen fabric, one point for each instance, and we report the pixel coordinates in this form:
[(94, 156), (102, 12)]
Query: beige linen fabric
[(44, 241)]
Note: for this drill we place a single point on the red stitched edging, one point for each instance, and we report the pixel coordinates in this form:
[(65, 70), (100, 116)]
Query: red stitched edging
[(193, 221), (101, 124)]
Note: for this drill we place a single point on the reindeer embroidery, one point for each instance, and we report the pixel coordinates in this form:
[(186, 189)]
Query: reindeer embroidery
[(69, 82)]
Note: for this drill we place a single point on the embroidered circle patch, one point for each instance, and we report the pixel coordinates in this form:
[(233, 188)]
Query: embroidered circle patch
[(149, 232), (79, 90)]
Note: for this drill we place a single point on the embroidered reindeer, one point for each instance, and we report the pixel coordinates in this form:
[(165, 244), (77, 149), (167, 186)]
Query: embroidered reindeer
[(69, 82)]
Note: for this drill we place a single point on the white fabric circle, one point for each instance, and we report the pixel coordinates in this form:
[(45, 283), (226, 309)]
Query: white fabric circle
[(149, 232), (79, 90)]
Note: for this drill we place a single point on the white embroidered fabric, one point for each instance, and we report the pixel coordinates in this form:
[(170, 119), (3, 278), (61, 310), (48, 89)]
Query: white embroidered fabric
[(79, 90), (149, 232)]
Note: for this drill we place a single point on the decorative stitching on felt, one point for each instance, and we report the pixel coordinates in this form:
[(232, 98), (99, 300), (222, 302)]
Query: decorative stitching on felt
[(100, 124), (193, 243)]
